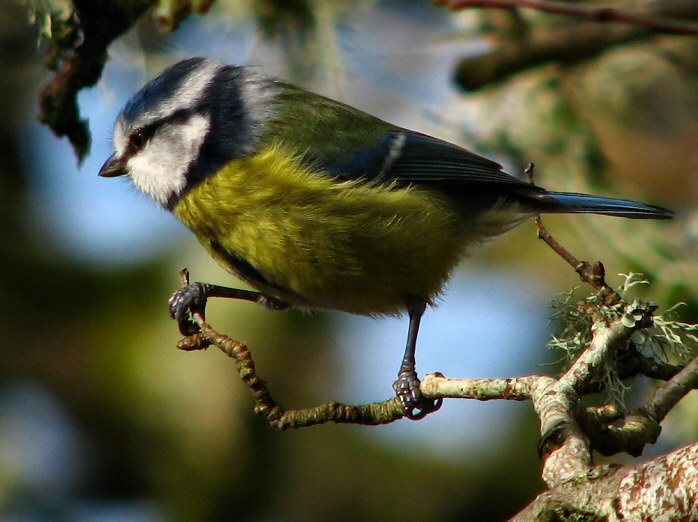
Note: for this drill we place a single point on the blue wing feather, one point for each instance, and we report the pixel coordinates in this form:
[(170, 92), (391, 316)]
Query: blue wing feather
[(418, 159), (424, 159), (411, 158)]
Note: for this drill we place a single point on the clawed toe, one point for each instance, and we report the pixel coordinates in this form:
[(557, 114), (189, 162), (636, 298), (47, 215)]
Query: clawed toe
[(415, 404), (190, 298)]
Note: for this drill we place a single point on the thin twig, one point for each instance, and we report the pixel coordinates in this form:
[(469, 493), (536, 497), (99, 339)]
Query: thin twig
[(670, 393), (595, 274), (642, 426), (372, 413)]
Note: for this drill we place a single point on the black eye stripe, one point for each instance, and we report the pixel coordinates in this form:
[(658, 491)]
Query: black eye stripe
[(140, 137)]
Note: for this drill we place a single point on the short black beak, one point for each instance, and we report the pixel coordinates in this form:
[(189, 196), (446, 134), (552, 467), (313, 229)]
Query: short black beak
[(112, 168)]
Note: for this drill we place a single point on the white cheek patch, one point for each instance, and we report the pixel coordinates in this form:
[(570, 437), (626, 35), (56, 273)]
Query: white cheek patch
[(160, 169)]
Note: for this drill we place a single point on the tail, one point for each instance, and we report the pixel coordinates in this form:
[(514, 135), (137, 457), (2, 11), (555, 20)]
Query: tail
[(568, 202)]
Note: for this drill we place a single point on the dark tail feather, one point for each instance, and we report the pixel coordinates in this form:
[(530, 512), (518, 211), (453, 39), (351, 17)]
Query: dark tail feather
[(568, 202)]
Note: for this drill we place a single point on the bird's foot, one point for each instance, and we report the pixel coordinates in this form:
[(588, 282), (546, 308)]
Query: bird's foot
[(190, 298), (415, 404)]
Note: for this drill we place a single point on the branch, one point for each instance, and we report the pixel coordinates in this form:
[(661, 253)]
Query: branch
[(564, 441), (592, 274), (648, 17), (582, 38), (82, 54), (79, 54), (642, 426), (570, 430), (372, 413), (662, 489), (570, 44), (437, 386), (557, 401)]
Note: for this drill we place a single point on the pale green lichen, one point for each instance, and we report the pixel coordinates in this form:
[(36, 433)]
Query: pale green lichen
[(669, 340)]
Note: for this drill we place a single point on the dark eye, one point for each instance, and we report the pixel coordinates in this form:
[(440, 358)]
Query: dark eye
[(137, 141)]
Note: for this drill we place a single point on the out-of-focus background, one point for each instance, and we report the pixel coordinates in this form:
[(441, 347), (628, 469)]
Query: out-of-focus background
[(103, 419)]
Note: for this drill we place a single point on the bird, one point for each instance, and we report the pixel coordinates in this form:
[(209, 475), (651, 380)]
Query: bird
[(316, 204)]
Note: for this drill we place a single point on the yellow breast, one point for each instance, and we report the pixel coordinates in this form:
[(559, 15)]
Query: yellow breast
[(351, 246)]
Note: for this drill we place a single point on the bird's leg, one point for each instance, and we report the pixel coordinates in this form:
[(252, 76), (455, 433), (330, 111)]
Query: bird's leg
[(407, 384), (192, 298)]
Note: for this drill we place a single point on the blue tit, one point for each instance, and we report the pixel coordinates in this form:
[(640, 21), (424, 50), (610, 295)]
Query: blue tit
[(317, 204)]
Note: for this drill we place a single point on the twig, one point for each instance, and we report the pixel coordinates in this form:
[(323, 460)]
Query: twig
[(642, 426), (592, 274), (670, 393), (372, 413)]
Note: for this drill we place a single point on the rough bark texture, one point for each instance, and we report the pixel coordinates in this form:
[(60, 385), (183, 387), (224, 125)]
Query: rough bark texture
[(661, 489)]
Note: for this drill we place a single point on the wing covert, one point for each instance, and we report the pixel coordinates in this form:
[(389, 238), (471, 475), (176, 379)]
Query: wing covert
[(409, 157), (424, 159)]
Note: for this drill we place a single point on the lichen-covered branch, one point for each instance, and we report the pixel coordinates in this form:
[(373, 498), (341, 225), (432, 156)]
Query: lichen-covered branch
[(663, 488), (373, 413), (565, 442), (642, 426), (570, 430), (555, 400)]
